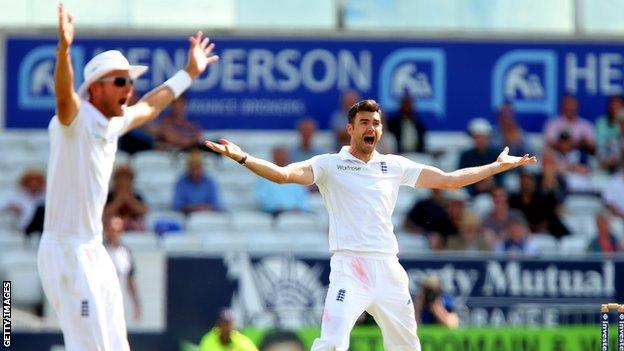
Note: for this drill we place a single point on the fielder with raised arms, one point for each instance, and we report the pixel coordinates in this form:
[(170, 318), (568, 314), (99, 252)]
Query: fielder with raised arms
[(360, 188), (77, 274)]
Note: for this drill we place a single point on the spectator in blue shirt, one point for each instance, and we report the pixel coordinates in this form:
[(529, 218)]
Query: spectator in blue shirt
[(196, 191), (276, 198)]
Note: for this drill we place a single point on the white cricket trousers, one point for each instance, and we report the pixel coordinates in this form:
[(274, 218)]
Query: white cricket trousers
[(81, 283), (376, 284)]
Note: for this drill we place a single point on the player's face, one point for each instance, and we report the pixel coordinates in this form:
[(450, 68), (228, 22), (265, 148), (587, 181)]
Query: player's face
[(112, 92), (365, 131)]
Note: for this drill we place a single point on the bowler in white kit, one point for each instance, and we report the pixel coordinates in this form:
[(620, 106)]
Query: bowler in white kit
[(360, 188), (76, 272)]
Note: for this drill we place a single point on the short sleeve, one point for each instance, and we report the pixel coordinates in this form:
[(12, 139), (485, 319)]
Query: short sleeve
[(320, 168), (410, 171)]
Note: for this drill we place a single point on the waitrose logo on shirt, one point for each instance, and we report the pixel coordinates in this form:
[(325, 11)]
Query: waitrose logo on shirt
[(349, 168)]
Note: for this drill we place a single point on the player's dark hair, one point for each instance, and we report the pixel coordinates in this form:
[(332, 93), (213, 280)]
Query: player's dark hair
[(369, 105)]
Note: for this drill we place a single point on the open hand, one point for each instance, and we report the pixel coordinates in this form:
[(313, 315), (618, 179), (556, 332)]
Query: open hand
[(199, 55), (226, 148), (66, 28), (509, 162)]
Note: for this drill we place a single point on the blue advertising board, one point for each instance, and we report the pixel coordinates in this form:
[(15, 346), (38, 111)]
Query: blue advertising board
[(269, 83)]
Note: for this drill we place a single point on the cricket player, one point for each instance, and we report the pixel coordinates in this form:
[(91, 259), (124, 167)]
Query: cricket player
[(360, 187), (77, 275)]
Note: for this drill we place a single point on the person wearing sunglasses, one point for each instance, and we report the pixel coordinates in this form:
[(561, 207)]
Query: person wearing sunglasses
[(77, 274)]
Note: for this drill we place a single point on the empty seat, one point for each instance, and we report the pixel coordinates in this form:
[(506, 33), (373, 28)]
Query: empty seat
[(573, 244), (545, 243), (309, 242), (237, 201), (207, 222), (296, 222), (182, 241), (20, 267), (580, 223), (583, 204), (216, 241), (420, 157), (412, 243), (251, 221), (140, 240), (266, 242), (152, 160), (8, 221), (10, 241)]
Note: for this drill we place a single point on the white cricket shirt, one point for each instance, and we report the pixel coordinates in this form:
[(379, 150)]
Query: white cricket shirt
[(79, 169), (360, 198)]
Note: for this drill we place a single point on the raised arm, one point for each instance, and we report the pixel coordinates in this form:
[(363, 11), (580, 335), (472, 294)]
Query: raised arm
[(67, 100), (432, 177), (151, 104), (299, 172)]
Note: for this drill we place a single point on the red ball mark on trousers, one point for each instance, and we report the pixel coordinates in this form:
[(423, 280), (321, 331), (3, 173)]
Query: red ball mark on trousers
[(360, 271)]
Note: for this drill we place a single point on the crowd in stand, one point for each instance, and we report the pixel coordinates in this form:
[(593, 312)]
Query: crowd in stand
[(574, 150)]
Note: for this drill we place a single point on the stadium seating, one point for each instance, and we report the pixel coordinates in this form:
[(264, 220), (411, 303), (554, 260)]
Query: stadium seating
[(574, 244), (140, 240), (206, 221), (545, 243), (296, 222)]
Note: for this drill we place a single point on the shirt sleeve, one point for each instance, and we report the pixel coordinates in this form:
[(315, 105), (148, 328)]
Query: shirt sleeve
[(410, 171), (320, 168)]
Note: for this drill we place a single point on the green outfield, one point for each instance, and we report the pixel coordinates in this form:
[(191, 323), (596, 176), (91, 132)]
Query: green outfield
[(567, 338)]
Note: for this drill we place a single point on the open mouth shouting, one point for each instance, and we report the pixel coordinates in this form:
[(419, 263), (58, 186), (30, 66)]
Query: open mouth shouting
[(369, 140), (123, 101)]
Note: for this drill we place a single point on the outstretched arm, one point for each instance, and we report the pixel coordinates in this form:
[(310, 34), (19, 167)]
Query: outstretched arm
[(67, 100), (432, 177), (299, 172), (199, 58)]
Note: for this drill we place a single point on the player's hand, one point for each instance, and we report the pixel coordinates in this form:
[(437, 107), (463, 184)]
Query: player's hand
[(226, 148), (199, 55), (66, 28), (508, 162)]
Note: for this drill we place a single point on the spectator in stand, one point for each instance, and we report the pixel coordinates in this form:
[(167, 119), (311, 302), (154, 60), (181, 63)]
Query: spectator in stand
[(609, 135), (551, 178), (481, 153), (541, 210), (124, 202), (339, 117), (470, 237), (427, 215), (305, 149), (605, 241), (498, 220), (195, 190), (122, 260), (28, 204), (613, 192), (518, 241), (433, 306), (509, 132), (276, 198), (580, 130), (176, 131), (225, 337), (407, 127), (575, 164)]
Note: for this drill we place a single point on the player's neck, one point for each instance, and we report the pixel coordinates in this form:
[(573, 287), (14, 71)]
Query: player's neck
[(360, 155)]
